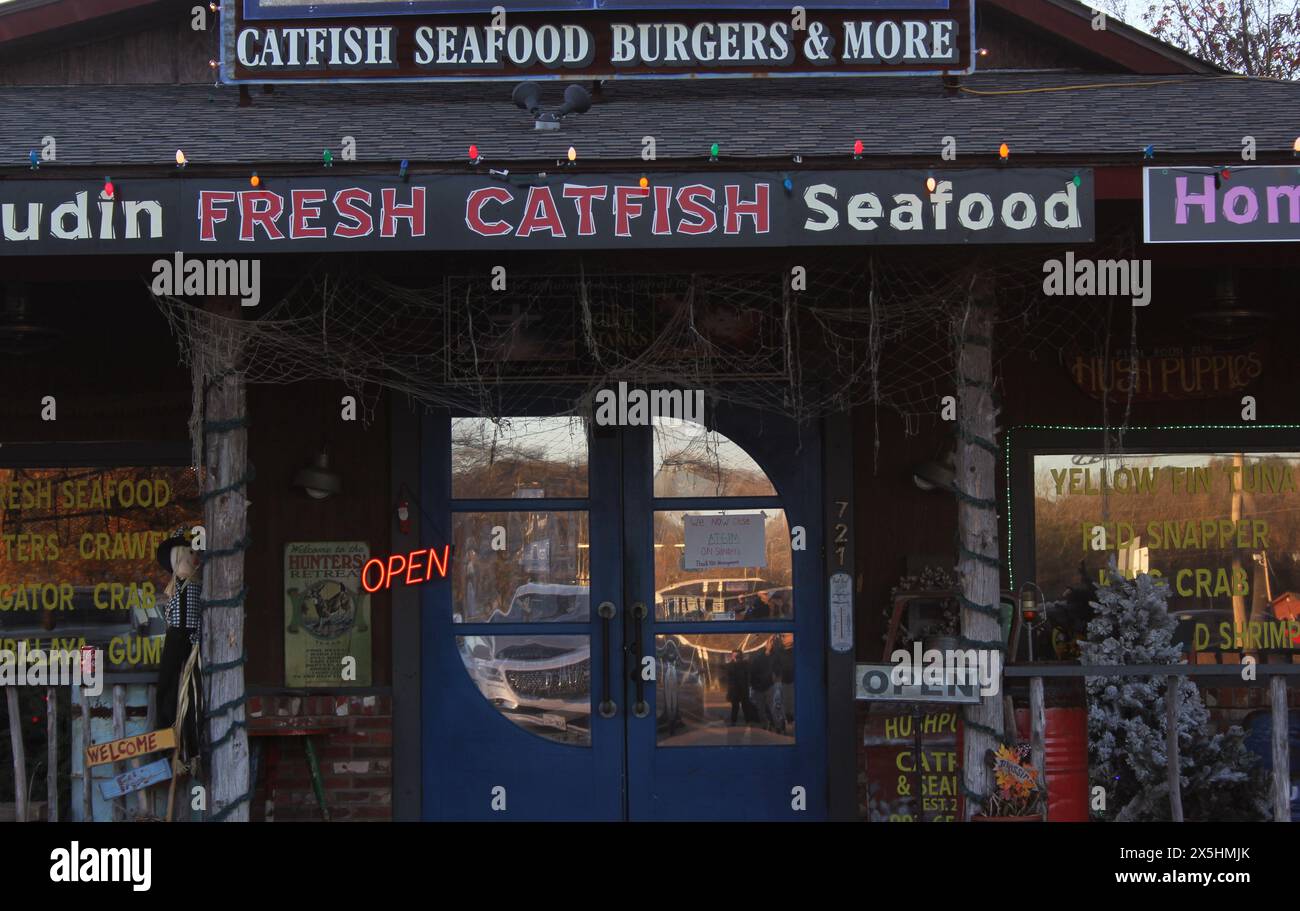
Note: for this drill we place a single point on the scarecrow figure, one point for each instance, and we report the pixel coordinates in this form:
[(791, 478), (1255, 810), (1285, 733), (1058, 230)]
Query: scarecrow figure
[(178, 666)]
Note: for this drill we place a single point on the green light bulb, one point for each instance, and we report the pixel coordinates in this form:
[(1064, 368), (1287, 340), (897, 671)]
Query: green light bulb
[(328, 157), (1078, 181), (713, 150)]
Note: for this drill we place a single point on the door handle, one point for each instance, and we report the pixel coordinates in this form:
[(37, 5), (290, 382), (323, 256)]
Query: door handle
[(639, 709), (606, 611)]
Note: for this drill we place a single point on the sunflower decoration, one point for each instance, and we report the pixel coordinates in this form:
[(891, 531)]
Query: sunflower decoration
[(1017, 791)]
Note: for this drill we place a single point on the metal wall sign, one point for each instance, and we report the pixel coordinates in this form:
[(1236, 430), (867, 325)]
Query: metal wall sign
[(1221, 205), (347, 42), (565, 211)]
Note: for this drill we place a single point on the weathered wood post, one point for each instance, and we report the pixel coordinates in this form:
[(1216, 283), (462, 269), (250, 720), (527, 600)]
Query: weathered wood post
[(87, 801), (977, 533), (1038, 729), (143, 796), (52, 754), (20, 756), (119, 731), (220, 426), (1281, 750), (1173, 708)]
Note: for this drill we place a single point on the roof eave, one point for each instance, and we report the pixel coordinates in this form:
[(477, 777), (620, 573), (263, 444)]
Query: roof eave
[(1119, 42)]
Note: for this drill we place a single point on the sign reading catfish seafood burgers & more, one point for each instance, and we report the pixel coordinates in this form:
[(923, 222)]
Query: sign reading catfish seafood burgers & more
[(568, 212), (269, 40)]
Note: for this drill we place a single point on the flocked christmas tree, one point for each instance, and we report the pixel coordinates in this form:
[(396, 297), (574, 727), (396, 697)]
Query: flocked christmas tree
[(1126, 718)]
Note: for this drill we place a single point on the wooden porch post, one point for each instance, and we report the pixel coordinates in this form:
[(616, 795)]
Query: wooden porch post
[(1281, 750), (20, 755), (977, 533), (221, 425), (1173, 768)]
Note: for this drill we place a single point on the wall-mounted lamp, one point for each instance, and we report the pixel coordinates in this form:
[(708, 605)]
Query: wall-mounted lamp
[(936, 474), (317, 479), (1031, 610)]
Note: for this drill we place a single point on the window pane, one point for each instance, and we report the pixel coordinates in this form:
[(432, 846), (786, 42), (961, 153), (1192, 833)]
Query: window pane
[(690, 461), (540, 574), (518, 457), (1221, 529), (541, 683), (756, 583), (725, 690)]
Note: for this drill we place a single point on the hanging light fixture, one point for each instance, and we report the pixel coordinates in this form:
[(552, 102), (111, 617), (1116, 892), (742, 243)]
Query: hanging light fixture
[(1227, 317), (316, 478), (937, 474)]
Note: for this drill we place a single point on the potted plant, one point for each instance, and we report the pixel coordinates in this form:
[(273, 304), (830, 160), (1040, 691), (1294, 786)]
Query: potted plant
[(1018, 795)]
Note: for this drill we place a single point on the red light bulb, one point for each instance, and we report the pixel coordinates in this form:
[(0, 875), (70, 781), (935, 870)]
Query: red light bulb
[(857, 147), (473, 153), (108, 188)]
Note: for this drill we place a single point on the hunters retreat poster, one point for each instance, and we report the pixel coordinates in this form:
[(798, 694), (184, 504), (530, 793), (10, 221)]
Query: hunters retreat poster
[(327, 614)]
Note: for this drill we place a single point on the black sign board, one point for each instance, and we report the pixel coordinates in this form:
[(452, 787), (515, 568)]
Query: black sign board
[(349, 43), (562, 211), (1222, 205)]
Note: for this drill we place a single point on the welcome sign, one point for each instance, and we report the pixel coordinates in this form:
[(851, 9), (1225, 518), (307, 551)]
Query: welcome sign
[(350, 41), (1222, 206), (566, 211)]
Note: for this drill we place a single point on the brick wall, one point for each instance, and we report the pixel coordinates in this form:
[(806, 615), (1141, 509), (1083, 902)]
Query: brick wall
[(354, 750)]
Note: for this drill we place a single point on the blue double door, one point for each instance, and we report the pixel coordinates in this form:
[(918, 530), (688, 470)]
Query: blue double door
[(632, 625)]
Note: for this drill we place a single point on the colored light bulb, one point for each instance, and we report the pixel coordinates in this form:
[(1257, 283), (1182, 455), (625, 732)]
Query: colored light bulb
[(713, 150), (1297, 145), (1078, 181), (108, 188), (255, 180), (327, 157), (34, 158), (573, 154), (931, 184), (181, 161), (473, 153), (857, 147), (1004, 151), (788, 183), (402, 169), (644, 182)]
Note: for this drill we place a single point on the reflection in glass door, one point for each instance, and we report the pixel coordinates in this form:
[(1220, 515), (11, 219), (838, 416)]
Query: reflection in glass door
[(521, 666), (732, 620), (626, 623)]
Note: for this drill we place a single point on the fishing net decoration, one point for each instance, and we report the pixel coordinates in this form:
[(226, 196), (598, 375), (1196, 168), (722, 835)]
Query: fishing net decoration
[(872, 328)]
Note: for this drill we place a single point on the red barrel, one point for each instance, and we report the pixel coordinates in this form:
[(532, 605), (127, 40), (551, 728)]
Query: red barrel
[(1066, 739)]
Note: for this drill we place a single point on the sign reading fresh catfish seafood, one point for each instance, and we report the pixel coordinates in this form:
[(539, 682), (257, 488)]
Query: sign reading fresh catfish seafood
[(567, 211), (389, 42)]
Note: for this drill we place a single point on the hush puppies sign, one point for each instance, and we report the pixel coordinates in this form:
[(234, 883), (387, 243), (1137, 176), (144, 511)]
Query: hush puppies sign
[(561, 212)]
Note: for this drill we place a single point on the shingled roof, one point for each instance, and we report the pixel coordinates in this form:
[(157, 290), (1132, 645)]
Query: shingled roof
[(1040, 115)]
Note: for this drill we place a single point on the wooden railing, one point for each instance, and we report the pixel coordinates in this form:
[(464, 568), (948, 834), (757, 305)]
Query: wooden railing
[(1276, 674), (53, 790)]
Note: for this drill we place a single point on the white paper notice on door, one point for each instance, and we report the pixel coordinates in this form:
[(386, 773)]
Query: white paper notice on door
[(723, 542)]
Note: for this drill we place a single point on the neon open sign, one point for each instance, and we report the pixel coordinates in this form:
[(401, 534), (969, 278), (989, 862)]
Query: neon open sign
[(406, 565)]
